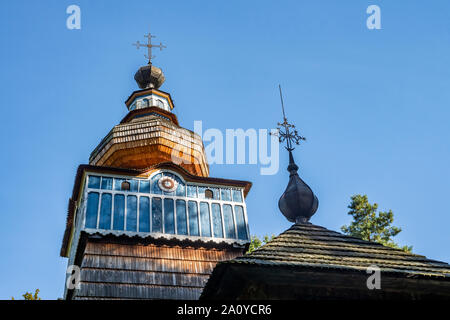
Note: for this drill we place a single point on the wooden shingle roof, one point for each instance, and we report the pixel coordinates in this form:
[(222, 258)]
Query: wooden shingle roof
[(309, 262), (311, 246)]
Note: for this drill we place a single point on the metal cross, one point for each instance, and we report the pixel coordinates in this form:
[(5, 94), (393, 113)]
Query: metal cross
[(290, 134), (149, 46)]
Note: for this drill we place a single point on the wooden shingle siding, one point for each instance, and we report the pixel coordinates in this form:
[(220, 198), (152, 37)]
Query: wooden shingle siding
[(136, 271)]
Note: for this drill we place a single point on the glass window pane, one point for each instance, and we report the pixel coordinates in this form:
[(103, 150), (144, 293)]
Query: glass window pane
[(105, 212), (181, 189), (133, 185), (119, 212), (118, 184), (155, 187), (193, 218), (144, 214), (131, 213), (107, 183), (156, 214), (201, 192), (169, 219), (144, 186), (237, 196), (240, 223), (217, 220), (91, 211), (204, 219), (192, 191), (228, 221), (94, 182), (226, 194), (181, 217)]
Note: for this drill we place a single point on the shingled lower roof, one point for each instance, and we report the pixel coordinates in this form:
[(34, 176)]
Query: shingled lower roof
[(308, 245), (309, 262)]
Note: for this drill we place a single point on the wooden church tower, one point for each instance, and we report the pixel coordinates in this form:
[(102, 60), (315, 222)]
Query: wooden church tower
[(145, 220)]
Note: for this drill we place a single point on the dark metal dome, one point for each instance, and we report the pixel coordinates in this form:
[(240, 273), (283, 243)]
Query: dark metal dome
[(149, 76), (298, 203)]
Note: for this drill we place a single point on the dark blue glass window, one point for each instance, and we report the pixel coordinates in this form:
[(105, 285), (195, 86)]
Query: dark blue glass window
[(155, 187), (205, 222), (181, 188), (226, 194), (181, 217), (133, 185), (92, 210), (107, 183), (105, 212), (169, 219), (118, 184), (119, 212), (192, 191), (144, 214), (193, 218), (131, 213), (240, 223), (144, 186), (217, 220), (228, 221), (237, 196), (94, 182), (156, 215)]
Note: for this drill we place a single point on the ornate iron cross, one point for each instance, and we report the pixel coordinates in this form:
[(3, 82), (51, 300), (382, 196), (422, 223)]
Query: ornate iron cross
[(290, 134), (149, 46)]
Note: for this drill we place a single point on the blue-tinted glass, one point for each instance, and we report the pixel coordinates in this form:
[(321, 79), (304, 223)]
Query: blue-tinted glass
[(131, 213), (144, 186), (240, 223), (216, 193), (205, 222), (169, 219), (156, 215), (192, 191), (181, 217), (181, 189), (134, 185), (94, 182), (155, 187), (119, 212), (144, 214), (226, 194), (228, 221), (193, 218), (105, 212), (237, 196), (92, 209), (118, 184), (107, 183), (217, 220), (201, 192)]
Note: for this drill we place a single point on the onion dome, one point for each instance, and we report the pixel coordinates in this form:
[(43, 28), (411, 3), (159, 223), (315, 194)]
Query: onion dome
[(298, 202), (149, 76)]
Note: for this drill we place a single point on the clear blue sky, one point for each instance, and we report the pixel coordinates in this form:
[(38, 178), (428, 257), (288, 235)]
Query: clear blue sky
[(374, 105)]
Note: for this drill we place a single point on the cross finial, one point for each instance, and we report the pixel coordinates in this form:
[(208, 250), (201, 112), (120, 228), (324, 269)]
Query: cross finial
[(149, 46), (290, 134)]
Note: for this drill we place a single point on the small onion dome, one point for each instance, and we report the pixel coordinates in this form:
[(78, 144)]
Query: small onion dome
[(149, 76), (298, 203)]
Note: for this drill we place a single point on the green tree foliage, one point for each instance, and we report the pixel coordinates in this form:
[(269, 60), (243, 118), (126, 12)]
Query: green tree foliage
[(255, 242), (370, 225), (29, 296)]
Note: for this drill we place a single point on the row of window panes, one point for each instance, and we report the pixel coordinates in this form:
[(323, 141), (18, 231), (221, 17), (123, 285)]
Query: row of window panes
[(145, 214), (151, 186)]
